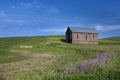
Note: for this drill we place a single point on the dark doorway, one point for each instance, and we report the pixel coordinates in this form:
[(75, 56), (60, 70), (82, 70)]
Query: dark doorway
[(69, 38)]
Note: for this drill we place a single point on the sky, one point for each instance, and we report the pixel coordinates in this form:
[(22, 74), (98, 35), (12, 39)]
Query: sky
[(52, 17)]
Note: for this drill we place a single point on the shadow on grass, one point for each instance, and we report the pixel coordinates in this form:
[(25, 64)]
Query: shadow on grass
[(63, 40)]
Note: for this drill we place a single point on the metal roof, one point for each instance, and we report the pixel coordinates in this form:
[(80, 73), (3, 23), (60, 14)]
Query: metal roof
[(82, 29)]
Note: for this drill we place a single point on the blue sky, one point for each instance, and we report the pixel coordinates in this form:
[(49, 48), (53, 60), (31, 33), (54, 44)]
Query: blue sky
[(51, 17)]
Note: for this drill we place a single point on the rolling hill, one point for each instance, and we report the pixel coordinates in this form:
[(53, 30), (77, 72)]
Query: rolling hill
[(51, 58), (116, 38)]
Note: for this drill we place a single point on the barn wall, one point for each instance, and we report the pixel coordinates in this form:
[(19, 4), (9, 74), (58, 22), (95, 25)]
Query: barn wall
[(84, 38)]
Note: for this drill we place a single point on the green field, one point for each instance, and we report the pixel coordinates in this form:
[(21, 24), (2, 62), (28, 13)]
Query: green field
[(51, 58)]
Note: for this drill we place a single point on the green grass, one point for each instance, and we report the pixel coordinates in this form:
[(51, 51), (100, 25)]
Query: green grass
[(15, 66)]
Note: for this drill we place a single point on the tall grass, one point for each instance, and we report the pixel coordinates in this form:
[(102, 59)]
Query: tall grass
[(68, 56)]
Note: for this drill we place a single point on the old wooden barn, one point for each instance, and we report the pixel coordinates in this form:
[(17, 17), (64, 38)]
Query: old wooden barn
[(80, 35)]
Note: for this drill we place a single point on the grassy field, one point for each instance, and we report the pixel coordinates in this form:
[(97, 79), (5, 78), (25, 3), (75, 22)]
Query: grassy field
[(50, 58)]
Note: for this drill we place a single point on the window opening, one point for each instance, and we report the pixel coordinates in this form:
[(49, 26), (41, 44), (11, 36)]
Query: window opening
[(86, 37), (77, 36)]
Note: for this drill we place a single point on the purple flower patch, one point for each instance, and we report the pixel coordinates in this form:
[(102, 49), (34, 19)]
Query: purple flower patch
[(98, 60)]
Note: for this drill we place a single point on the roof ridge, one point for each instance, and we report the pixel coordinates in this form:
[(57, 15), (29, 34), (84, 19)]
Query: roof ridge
[(80, 27), (83, 29)]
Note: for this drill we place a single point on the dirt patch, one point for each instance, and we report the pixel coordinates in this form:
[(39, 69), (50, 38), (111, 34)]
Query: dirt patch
[(34, 54), (36, 61), (17, 68)]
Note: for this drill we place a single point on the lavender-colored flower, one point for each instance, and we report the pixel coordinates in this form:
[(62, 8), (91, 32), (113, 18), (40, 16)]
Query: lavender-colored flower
[(98, 60)]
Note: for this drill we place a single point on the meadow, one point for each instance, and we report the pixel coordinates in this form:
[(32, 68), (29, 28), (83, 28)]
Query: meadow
[(51, 58)]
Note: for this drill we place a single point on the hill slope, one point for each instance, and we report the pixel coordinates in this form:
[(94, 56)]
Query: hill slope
[(110, 41), (50, 57), (116, 38)]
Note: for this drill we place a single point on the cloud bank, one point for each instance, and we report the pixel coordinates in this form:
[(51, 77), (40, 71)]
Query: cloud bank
[(107, 28), (53, 30)]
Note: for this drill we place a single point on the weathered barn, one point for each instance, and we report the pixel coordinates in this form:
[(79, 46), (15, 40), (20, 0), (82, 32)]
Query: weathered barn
[(79, 35)]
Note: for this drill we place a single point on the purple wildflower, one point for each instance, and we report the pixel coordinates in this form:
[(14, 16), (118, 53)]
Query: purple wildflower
[(98, 60)]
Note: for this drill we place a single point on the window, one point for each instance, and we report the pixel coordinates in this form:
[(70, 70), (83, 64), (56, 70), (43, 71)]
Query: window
[(93, 37), (86, 37), (77, 36)]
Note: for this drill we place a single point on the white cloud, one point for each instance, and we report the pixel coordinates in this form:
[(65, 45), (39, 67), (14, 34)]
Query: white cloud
[(22, 5), (3, 26), (2, 14), (53, 9), (107, 28), (53, 30), (13, 6), (16, 7), (39, 20), (15, 20), (37, 6), (27, 5), (4, 18), (9, 20)]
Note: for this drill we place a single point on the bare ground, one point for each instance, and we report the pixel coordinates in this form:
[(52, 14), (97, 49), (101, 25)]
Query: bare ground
[(37, 61), (34, 54)]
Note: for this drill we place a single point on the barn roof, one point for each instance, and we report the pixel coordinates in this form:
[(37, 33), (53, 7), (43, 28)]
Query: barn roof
[(82, 29)]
